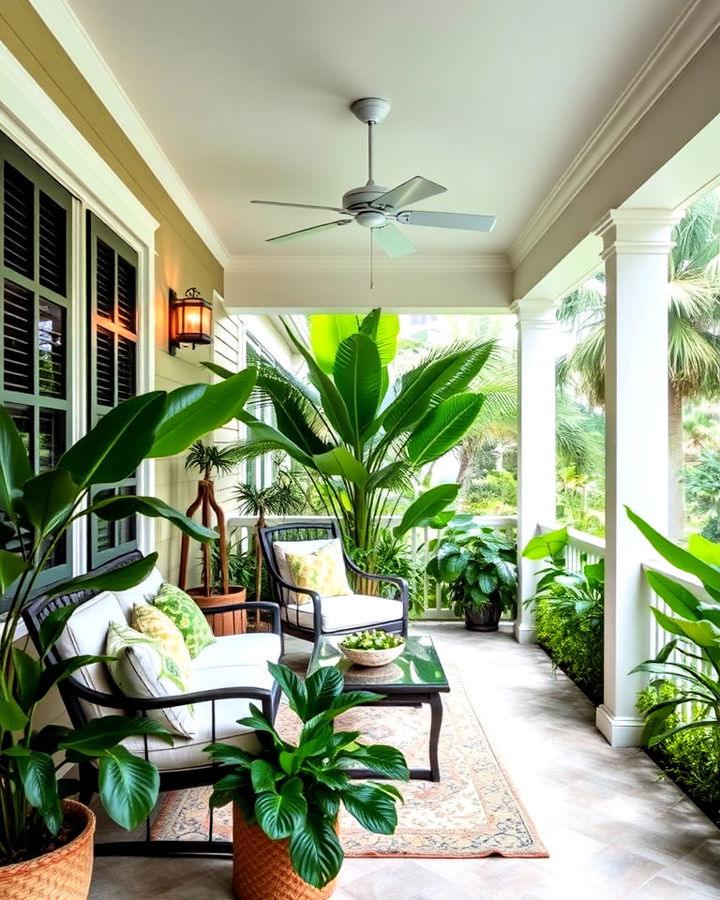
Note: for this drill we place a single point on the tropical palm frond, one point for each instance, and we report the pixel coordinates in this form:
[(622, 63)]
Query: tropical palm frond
[(585, 307), (694, 359), (211, 458), (693, 297), (584, 366)]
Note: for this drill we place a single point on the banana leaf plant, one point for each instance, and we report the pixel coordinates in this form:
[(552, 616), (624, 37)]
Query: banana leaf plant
[(691, 659), (36, 511), (294, 791), (361, 439)]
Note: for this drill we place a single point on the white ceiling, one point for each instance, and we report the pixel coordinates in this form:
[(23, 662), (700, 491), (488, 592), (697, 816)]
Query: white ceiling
[(492, 98)]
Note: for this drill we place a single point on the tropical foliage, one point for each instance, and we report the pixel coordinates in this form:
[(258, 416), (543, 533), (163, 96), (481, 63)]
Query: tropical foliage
[(360, 438), (477, 564), (37, 511), (294, 791), (691, 659), (569, 612), (694, 323)]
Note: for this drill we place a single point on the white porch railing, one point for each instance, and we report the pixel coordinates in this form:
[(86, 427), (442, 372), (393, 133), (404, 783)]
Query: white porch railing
[(582, 548), (240, 531)]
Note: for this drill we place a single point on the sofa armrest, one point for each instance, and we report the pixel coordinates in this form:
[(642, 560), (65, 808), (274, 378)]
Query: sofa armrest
[(272, 608)]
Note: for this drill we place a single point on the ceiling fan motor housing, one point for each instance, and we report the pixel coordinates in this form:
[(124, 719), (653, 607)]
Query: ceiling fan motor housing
[(358, 200)]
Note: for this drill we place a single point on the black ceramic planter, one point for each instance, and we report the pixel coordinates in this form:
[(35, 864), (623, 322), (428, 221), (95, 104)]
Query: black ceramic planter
[(485, 618)]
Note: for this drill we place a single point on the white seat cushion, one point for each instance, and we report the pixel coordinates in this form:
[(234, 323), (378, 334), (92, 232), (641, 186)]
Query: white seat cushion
[(239, 650), (188, 753), (85, 633), (144, 592), (346, 612)]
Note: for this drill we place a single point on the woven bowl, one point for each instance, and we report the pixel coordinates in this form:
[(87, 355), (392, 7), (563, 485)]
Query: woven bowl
[(373, 657)]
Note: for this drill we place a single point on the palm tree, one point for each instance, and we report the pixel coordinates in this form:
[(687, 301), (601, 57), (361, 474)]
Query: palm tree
[(693, 339)]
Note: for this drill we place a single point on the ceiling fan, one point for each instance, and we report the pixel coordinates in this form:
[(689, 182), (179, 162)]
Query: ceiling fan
[(378, 208)]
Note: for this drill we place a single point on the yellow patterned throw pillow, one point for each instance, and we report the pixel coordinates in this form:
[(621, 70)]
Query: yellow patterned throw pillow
[(322, 571), (155, 624)]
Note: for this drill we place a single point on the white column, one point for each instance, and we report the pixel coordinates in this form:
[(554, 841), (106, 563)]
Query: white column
[(536, 442), (636, 246)]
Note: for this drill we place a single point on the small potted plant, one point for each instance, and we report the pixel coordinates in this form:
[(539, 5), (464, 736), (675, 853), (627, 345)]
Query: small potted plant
[(210, 460), (479, 567), (287, 798), (46, 839)]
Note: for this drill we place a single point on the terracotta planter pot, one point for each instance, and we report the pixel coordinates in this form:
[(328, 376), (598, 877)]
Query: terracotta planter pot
[(262, 869), (223, 623), (484, 619), (62, 874)]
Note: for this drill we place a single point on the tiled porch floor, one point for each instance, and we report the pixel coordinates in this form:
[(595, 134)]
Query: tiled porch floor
[(612, 827)]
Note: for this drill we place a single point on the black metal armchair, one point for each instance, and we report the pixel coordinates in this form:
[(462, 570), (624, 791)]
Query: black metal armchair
[(184, 765), (329, 615)]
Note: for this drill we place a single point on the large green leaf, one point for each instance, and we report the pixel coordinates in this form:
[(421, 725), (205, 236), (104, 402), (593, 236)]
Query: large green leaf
[(676, 556), (342, 463), (114, 508), (323, 687), (388, 761), (278, 813), (293, 687), (119, 579), (12, 716), (48, 498), (426, 507), (37, 771), (11, 567), (118, 443), (678, 598), (327, 332), (358, 376), (315, 851), (550, 544), (99, 735), (27, 678), (196, 410), (268, 438), (294, 413), (128, 786), (372, 806), (15, 466), (443, 428), (707, 551), (332, 403)]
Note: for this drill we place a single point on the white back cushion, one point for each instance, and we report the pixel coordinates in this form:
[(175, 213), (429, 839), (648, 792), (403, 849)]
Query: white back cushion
[(144, 592)]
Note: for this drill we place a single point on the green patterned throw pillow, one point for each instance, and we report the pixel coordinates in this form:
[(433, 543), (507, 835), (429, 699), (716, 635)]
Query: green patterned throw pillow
[(187, 615), (143, 668)]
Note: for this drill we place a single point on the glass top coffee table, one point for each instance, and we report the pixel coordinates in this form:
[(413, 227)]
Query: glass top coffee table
[(415, 678)]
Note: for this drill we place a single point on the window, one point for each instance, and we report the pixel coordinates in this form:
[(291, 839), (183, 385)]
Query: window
[(260, 472), (36, 384), (112, 336)]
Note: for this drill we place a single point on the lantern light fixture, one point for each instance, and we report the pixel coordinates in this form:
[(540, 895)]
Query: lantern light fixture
[(189, 320)]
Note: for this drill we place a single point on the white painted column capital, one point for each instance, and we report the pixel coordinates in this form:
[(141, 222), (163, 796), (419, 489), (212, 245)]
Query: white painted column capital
[(641, 231), (536, 441)]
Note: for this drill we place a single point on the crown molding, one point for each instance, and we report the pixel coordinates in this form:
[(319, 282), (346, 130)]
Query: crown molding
[(495, 263), (682, 42), (75, 41)]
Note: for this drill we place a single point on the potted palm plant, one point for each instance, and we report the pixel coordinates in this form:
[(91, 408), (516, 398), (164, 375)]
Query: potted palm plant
[(210, 460), (46, 839), (287, 798), (479, 567)]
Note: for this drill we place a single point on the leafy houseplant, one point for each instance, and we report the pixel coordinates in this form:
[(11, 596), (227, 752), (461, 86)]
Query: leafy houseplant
[(478, 565), (360, 439), (570, 612), (691, 659), (37, 511), (292, 792)]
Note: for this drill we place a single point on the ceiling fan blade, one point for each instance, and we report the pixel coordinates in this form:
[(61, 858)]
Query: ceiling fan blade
[(446, 220), (304, 231), (393, 241), (412, 191), (300, 205)]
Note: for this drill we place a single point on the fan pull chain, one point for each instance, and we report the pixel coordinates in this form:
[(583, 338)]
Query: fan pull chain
[(372, 282)]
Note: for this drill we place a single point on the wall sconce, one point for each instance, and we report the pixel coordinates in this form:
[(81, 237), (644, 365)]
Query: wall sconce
[(189, 320)]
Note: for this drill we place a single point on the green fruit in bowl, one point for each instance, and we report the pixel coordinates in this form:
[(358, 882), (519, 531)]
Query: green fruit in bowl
[(372, 640)]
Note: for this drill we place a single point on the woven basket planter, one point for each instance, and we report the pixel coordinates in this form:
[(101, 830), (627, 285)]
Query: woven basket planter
[(262, 869), (234, 622), (62, 874)]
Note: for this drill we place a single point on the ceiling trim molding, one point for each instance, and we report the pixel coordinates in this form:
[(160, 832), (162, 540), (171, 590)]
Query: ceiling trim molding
[(67, 30), (683, 41), (496, 262)]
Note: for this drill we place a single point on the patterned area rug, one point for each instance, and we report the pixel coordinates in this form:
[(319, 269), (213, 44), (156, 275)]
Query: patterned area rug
[(472, 812)]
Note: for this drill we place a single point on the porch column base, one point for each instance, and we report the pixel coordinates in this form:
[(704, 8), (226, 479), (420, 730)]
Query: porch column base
[(619, 731), (525, 633)]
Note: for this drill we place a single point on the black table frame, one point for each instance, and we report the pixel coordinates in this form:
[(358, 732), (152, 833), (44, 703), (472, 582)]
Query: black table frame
[(402, 695)]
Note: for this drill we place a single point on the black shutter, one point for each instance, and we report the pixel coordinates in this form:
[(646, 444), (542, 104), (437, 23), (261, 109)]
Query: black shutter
[(35, 385), (112, 314)]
